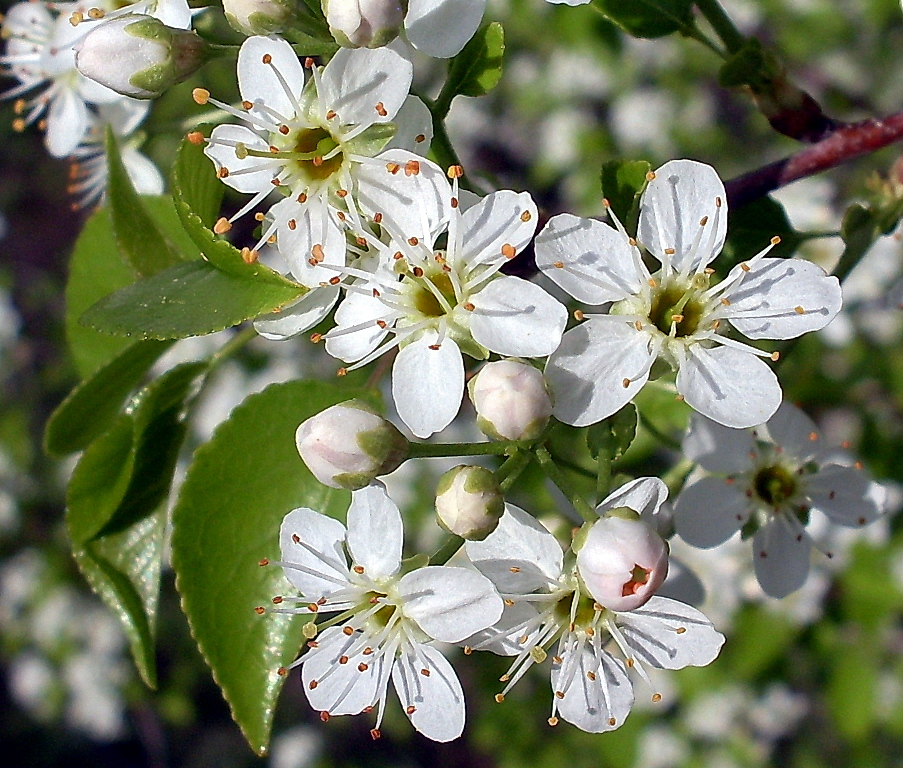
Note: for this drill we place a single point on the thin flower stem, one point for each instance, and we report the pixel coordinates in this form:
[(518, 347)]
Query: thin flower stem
[(237, 342), (447, 550), (726, 30), (514, 465), (442, 149), (444, 450), (556, 476)]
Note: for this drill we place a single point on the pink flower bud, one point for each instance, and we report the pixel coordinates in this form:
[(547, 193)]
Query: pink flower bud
[(364, 23), (622, 560), (511, 400), (348, 445), (469, 502)]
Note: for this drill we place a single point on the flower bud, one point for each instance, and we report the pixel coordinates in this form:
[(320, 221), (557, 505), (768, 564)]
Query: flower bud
[(364, 23), (257, 17), (139, 56), (348, 445), (622, 560), (511, 400), (469, 502)]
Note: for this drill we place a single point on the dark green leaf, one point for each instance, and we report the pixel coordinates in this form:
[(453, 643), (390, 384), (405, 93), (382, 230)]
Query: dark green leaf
[(239, 487), (190, 299), (648, 18), (91, 407), (477, 69), (126, 472), (622, 183), (752, 65), (96, 270), (195, 183), (140, 242), (124, 570)]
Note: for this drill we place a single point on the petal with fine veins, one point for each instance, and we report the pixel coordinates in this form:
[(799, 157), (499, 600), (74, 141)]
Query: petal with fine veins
[(318, 548), (259, 81), (428, 384), (430, 693), (375, 531), (365, 86)]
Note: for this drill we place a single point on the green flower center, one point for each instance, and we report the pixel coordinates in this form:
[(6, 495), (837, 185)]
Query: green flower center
[(586, 610), (315, 143), (775, 485), (425, 300), (677, 305)]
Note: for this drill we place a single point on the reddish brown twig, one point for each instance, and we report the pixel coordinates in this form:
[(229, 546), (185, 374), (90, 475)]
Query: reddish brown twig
[(844, 144)]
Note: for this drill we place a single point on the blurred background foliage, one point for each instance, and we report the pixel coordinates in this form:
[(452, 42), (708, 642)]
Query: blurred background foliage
[(814, 680)]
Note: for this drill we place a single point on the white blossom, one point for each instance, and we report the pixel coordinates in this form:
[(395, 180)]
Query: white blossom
[(388, 619), (674, 314), (546, 604), (768, 482)]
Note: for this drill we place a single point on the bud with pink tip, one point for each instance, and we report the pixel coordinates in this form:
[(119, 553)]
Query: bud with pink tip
[(621, 560), (139, 56), (511, 400), (469, 502), (348, 445), (364, 23)]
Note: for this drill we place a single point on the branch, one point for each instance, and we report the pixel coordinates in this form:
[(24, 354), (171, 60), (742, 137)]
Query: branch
[(844, 144)]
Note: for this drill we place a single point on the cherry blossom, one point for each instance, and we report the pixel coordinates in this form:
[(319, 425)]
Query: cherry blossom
[(675, 314), (767, 482)]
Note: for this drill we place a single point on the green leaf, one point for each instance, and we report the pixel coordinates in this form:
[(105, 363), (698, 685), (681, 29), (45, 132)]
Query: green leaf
[(124, 570), (140, 242), (648, 18), (222, 254), (752, 65), (623, 181), (239, 487), (190, 299), (91, 407), (125, 474), (95, 270), (614, 434), (751, 227), (195, 183), (477, 69)]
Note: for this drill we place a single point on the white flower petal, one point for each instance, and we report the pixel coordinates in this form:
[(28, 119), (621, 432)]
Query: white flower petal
[(173, 13), (428, 384), (259, 82), (223, 156), (500, 222), (375, 531), (846, 495), (717, 448), (710, 511), (515, 317), (667, 634), (597, 262), (681, 195), (506, 636), (301, 316), (414, 127), (645, 496), (519, 541), (733, 387), (67, 123), (365, 86), (780, 557), (598, 695), (315, 229), (430, 693), (357, 309), (441, 28), (325, 537), (794, 432), (142, 172), (587, 372), (411, 204), (782, 299), (449, 604), (342, 689)]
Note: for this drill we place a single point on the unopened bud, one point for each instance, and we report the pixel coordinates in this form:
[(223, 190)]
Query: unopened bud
[(511, 400), (469, 502), (139, 56), (364, 23), (621, 560), (257, 17), (348, 445)]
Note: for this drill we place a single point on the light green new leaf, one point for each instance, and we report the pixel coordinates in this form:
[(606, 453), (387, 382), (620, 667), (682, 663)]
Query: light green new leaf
[(91, 407), (478, 68), (124, 570), (239, 487), (190, 299), (648, 18), (613, 436), (140, 242)]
